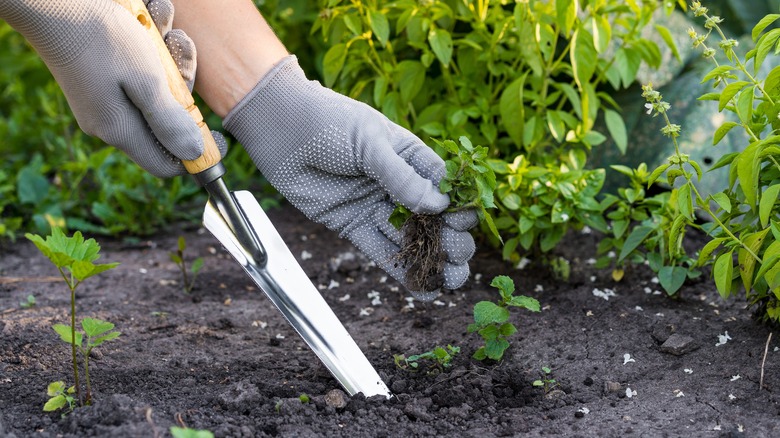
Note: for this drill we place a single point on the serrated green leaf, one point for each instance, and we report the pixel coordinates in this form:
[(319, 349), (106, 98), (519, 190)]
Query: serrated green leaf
[(54, 403), (95, 327), (507, 329), (66, 335), (399, 216), (55, 388), (505, 285), (486, 312), (525, 302), (723, 271), (490, 332), (495, 349), (110, 336), (480, 354), (767, 203)]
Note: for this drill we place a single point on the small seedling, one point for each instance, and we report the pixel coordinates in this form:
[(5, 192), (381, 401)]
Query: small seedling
[(60, 397), (74, 258), (304, 398), (440, 357), (470, 183), (491, 320), (188, 276), (186, 432), (28, 303), (546, 382)]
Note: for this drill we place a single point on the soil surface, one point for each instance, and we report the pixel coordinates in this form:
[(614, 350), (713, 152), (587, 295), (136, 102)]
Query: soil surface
[(627, 360)]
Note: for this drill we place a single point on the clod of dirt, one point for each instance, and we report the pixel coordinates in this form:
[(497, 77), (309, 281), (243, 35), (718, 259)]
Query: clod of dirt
[(662, 332), (421, 253), (678, 345), (336, 398), (417, 409), (612, 387)]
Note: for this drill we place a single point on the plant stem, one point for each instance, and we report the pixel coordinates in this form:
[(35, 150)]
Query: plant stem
[(88, 396), (72, 286)]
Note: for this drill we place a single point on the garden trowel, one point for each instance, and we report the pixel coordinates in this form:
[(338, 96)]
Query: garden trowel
[(241, 226)]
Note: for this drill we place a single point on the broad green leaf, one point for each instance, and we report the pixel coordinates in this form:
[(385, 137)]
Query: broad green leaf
[(507, 329), (566, 13), (709, 248), (525, 302), (723, 201), (411, 77), (722, 131), (729, 92), (747, 170), (31, 186), (399, 216), (185, 432), (55, 388), (718, 71), (602, 32), (617, 129), (512, 109), (97, 341), (723, 271), (480, 354), (745, 103), (657, 173), (486, 312), (490, 332), (495, 349), (628, 62), (333, 62), (672, 278), (197, 265), (666, 35), (54, 403), (379, 26), (767, 202), (95, 327), (441, 44), (353, 23), (769, 263), (763, 46), (637, 236), (505, 285), (583, 57), (762, 24), (747, 263), (66, 335), (556, 126), (684, 201)]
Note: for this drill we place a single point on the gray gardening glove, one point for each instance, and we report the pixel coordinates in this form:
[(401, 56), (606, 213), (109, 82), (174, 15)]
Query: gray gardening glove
[(344, 164), (107, 66)]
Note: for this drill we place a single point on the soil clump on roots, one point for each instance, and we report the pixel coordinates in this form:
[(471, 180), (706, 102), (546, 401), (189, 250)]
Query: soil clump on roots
[(422, 254)]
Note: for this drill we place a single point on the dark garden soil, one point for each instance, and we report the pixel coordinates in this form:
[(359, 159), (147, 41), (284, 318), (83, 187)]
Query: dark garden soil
[(223, 359)]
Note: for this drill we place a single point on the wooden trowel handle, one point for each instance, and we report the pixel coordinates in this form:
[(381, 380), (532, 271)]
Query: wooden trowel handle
[(211, 155)]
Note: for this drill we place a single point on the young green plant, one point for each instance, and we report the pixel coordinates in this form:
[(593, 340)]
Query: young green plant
[(188, 276), (491, 319), (186, 432), (470, 182), (440, 358), (60, 397), (28, 303), (74, 258), (546, 382)]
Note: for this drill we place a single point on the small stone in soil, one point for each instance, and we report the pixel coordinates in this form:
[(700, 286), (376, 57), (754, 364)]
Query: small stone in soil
[(336, 398), (678, 345), (579, 414), (662, 332), (612, 387), (588, 381)]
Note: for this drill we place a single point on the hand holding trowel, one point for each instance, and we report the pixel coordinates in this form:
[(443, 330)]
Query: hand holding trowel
[(238, 222)]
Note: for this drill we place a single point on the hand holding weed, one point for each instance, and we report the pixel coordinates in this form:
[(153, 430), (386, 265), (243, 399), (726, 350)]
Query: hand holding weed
[(345, 165)]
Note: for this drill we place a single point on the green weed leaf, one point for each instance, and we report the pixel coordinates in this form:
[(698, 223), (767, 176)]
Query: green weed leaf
[(762, 24), (486, 312), (379, 26), (333, 62), (723, 271), (66, 334), (54, 403), (617, 129), (767, 203), (505, 285), (95, 327), (722, 131), (494, 349), (637, 236), (525, 302), (441, 44), (672, 278)]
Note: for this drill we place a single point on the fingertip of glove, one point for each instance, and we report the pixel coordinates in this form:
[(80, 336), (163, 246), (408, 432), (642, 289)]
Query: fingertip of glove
[(461, 220), (455, 275)]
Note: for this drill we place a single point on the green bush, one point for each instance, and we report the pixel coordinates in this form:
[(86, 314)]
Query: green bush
[(528, 79)]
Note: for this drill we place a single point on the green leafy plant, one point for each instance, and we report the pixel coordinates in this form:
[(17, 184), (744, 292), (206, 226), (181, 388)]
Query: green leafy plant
[(74, 258), (28, 302), (491, 319), (440, 358), (529, 80), (470, 183), (60, 397), (546, 382), (304, 398), (655, 237), (188, 276), (186, 432), (744, 227)]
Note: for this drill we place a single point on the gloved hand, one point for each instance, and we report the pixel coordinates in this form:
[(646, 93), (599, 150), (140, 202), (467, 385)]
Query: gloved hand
[(108, 68), (344, 164)]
